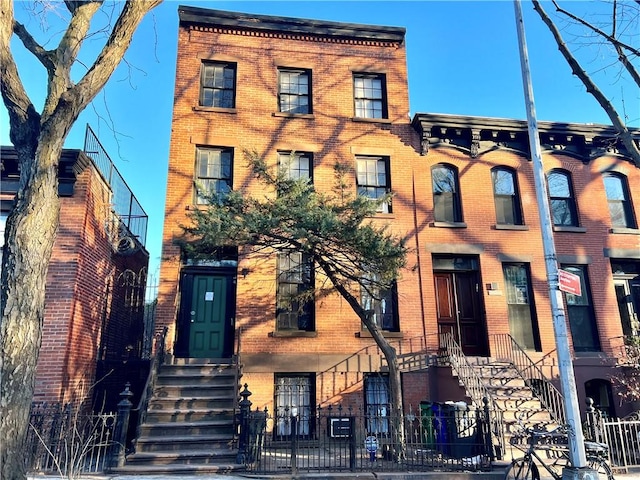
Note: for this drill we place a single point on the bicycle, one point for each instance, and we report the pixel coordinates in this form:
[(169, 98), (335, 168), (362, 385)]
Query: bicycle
[(554, 443)]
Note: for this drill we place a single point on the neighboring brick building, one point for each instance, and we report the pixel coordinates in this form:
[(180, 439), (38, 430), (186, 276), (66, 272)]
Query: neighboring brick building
[(464, 200), (94, 299)]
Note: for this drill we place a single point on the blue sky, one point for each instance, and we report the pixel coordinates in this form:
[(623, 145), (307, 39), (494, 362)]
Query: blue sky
[(462, 59)]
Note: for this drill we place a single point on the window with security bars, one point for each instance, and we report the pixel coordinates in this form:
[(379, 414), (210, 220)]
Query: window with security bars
[(619, 200), (562, 200), (295, 165), (373, 179), (382, 304), (506, 196), (294, 404), (294, 311), (370, 95), (294, 91), (446, 194), (218, 85), (214, 168), (377, 403), (582, 319)]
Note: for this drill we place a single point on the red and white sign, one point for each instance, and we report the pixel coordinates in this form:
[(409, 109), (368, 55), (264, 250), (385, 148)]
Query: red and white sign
[(569, 282)]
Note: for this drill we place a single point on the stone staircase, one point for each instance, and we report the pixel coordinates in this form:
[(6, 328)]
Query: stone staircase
[(519, 404), (189, 427)]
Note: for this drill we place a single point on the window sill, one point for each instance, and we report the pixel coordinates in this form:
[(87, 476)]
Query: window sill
[(510, 227), (293, 334), (199, 108), (625, 231), (370, 120), (560, 228), (448, 224), (309, 116), (367, 334)]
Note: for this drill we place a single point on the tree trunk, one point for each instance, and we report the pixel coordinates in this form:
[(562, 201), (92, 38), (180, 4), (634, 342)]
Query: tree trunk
[(31, 229)]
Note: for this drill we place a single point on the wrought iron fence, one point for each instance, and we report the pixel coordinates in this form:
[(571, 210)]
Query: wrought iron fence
[(66, 440), (450, 437)]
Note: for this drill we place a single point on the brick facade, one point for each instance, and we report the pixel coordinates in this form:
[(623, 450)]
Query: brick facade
[(257, 46), (81, 321)]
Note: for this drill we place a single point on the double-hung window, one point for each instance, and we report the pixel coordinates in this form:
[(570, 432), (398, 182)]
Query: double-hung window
[(214, 167), (373, 179), (582, 319), (370, 95), (446, 194), (506, 196), (620, 207), (294, 90), (562, 201), (381, 303), (295, 284), (294, 404), (377, 403), (295, 165), (218, 85)]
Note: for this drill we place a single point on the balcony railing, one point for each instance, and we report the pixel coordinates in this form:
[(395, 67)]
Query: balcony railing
[(124, 203)]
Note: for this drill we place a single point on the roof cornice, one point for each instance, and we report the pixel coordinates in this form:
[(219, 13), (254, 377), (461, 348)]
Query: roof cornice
[(478, 135), (208, 18)]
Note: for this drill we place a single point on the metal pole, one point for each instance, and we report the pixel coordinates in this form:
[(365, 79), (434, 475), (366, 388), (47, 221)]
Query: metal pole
[(577, 453)]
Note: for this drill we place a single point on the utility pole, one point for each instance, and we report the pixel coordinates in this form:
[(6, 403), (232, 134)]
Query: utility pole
[(577, 454)]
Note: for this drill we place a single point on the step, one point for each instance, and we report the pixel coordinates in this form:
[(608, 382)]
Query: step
[(210, 427), (194, 391), (178, 443), (185, 403), (186, 457), (179, 469), (189, 415)]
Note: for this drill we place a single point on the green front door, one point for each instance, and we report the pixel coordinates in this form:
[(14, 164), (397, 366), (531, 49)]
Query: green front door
[(208, 316)]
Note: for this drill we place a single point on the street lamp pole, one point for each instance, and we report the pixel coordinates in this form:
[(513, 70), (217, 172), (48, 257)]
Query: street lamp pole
[(577, 454)]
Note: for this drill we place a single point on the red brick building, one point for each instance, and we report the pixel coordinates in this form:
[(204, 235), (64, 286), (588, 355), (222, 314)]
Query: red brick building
[(464, 200), (94, 299)]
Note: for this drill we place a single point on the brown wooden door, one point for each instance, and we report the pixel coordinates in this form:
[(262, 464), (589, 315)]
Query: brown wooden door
[(459, 310)]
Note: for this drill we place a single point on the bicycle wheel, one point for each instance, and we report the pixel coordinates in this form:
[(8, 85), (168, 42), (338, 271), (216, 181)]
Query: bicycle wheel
[(522, 469), (601, 466)]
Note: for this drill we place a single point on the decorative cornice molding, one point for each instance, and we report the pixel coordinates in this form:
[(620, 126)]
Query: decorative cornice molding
[(478, 135)]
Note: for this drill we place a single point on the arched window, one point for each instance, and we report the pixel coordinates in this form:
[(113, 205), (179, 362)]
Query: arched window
[(620, 208), (446, 194), (562, 200), (506, 196)]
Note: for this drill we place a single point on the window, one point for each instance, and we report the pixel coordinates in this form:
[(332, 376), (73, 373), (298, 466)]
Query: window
[(599, 390), (377, 403), (561, 199), (295, 279), (374, 180), (506, 196), (218, 85), (294, 90), (582, 320), (295, 165), (382, 304), (446, 194), (213, 172), (369, 94), (620, 208), (522, 325), (294, 401)]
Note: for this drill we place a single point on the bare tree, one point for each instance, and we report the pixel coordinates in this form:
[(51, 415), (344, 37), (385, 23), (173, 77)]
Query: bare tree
[(31, 227), (619, 31)]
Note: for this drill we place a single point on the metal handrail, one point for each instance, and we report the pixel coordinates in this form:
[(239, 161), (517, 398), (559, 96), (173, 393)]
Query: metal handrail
[(475, 387), (156, 361), (550, 397)]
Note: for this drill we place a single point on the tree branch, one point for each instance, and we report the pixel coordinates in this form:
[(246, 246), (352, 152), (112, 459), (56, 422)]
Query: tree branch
[(610, 38), (625, 136), (44, 56)]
